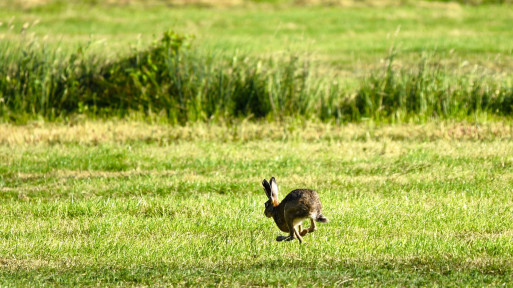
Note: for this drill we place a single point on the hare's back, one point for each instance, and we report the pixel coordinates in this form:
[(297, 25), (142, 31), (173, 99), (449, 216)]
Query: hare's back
[(304, 202)]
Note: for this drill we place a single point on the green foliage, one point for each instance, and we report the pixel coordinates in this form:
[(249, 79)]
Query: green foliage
[(428, 92), (168, 80)]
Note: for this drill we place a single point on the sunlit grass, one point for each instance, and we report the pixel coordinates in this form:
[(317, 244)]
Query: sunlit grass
[(348, 38), (139, 202), (128, 210)]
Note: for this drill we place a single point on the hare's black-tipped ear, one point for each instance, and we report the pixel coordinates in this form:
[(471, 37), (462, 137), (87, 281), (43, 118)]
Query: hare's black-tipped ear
[(267, 188), (274, 192)]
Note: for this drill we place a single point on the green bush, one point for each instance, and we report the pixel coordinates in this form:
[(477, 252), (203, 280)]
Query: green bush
[(169, 80)]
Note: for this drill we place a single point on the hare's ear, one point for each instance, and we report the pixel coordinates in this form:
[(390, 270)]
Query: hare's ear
[(274, 192), (267, 188)]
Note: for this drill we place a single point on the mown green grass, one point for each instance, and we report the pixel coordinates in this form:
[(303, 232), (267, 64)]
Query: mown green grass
[(350, 39), (135, 205)]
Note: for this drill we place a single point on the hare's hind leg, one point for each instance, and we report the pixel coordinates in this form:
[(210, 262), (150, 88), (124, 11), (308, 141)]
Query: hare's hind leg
[(301, 231), (310, 229), (294, 224)]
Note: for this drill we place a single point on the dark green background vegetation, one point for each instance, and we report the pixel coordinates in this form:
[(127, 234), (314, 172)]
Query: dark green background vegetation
[(401, 75)]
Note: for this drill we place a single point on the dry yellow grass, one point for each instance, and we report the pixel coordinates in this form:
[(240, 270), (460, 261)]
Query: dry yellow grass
[(224, 3), (115, 131)]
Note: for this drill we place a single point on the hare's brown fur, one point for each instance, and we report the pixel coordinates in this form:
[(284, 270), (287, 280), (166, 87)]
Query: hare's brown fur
[(297, 206)]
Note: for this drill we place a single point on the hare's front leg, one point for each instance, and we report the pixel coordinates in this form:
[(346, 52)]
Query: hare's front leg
[(294, 233), (281, 238), (299, 238), (291, 236)]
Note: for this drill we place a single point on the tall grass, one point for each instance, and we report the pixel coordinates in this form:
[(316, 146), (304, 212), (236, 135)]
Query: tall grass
[(429, 91), (169, 80)]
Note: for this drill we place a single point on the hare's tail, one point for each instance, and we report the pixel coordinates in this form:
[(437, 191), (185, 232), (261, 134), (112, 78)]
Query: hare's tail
[(321, 218)]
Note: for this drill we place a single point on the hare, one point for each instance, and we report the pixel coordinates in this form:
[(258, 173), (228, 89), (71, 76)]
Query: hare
[(297, 206)]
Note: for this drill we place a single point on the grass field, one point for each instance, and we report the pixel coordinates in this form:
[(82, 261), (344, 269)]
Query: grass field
[(131, 204), (126, 199), (350, 39)]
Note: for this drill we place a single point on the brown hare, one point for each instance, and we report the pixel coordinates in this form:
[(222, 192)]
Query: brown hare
[(297, 206)]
